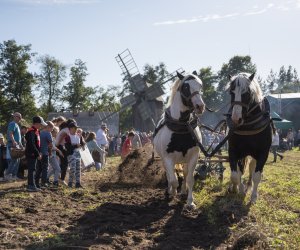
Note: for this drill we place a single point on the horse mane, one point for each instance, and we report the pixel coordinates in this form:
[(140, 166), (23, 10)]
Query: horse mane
[(254, 87), (173, 92)]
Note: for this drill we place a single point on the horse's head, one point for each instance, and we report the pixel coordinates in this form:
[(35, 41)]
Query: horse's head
[(245, 92), (190, 91)]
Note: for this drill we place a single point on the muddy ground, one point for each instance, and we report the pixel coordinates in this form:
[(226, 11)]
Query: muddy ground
[(123, 207)]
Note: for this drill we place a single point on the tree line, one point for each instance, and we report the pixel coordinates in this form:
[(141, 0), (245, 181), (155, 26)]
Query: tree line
[(57, 87)]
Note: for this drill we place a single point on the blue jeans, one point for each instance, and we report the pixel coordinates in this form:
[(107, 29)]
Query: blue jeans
[(31, 163), (13, 167)]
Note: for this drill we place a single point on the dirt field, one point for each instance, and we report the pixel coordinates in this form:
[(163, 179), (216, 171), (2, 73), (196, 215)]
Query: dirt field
[(125, 207)]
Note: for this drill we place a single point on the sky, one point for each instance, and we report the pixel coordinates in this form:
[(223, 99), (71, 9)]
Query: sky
[(181, 33)]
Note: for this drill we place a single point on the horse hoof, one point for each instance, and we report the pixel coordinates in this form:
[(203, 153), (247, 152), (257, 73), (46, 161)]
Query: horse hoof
[(231, 190), (253, 199), (191, 206)]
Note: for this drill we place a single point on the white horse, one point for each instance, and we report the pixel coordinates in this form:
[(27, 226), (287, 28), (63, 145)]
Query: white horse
[(172, 140)]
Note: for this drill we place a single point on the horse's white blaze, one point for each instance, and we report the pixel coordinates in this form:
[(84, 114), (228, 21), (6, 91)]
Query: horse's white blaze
[(237, 109), (196, 99)]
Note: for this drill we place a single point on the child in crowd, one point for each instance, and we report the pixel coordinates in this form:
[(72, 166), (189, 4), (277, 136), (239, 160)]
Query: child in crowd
[(46, 147), (127, 145), (93, 146), (33, 150), (73, 144), (54, 163)]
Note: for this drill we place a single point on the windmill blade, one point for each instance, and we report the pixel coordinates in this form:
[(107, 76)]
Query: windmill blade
[(128, 100), (154, 91), (172, 75)]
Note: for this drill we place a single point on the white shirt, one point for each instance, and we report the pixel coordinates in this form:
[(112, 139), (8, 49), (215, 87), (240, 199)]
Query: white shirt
[(60, 137), (101, 138), (275, 141)]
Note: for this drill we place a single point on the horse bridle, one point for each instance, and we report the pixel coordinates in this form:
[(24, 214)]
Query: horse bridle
[(187, 99), (244, 105)]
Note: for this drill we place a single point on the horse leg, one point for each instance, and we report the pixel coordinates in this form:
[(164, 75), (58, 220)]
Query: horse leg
[(240, 184), (185, 173), (235, 176), (251, 162), (190, 182), (260, 162), (171, 176)]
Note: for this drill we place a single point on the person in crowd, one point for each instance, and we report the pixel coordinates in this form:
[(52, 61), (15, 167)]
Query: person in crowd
[(58, 121), (93, 146), (3, 160), (73, 144), (23, 164), (127, 145), (298, 139), (23, 132), (46, 148), (111, 147), (13, 141), (290, 139), (79, 132), (60, 144), (53, 160), (119, 144), (33, 150), (136, 141), (102, 140), (275, 146)]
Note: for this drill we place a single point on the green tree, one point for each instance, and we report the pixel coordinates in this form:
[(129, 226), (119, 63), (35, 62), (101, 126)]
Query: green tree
[(75, 93), (52, 74), (155, 74), (16, 81), (208, 79), (271, 81), (236, 64)]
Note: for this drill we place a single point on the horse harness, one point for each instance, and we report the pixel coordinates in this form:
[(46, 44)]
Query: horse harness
[(181, 125), (253, 124)]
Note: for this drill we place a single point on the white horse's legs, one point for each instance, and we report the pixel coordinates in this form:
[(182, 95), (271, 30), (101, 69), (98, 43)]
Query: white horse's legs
[(185, 173), (236, 182), (190, 182), (234, 177), (256, 179), (172, 178)]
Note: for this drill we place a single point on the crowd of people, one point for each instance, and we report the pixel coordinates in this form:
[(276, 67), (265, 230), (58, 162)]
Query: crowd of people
[(48, 149)]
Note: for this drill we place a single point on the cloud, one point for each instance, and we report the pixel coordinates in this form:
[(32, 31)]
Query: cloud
[(55, 2), (251, 13), (206, 18), (282, 6)]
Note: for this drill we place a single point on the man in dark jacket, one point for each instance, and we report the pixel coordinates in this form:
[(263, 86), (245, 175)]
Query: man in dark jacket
[(33, 150)]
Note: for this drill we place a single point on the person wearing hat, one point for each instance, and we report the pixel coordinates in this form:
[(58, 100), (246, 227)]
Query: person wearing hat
[(73, 144), (33, 150), (13, 141), (102, 140)]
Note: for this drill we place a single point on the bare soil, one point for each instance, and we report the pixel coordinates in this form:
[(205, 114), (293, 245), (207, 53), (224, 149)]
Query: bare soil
[(123, 207)]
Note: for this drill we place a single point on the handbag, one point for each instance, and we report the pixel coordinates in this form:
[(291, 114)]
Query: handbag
[(16, 153), (96, 156)]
